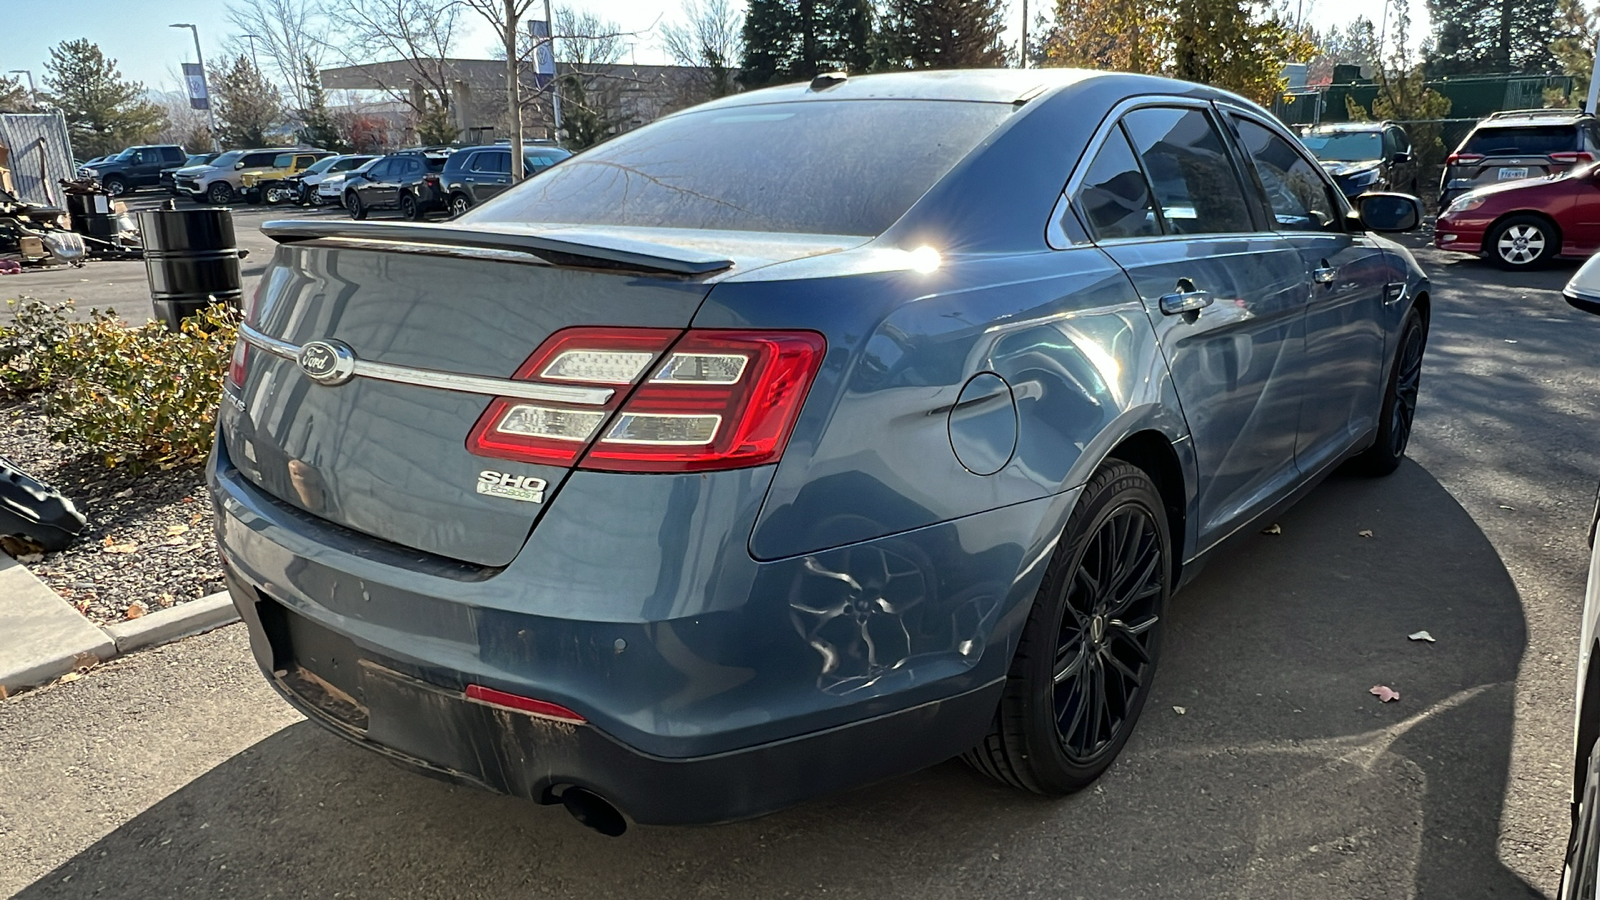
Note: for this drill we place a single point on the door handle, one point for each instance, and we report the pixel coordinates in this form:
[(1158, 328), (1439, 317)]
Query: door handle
[(1324, 274), (1187, 299)]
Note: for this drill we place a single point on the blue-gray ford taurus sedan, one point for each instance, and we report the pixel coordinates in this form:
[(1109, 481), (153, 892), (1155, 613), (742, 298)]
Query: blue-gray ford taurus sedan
[(803, 438)]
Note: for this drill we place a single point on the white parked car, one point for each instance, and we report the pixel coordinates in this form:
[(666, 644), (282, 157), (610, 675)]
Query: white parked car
[(331, 188), (324, 169)]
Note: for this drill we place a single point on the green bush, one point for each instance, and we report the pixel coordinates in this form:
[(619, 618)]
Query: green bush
[(129, 395)]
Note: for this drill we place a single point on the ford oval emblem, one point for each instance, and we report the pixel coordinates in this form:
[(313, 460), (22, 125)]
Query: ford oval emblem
[(327, 362)]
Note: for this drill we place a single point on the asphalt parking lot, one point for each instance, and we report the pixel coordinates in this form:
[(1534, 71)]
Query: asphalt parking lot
[(177, 772)]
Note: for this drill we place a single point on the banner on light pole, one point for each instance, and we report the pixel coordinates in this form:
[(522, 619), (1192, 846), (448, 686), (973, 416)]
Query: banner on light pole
[(544, 58), (195, 78)]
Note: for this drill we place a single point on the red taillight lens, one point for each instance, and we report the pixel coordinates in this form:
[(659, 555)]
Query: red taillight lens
[(237, 364), (552, 433), (721, 400), (544, 709), (1464, 159), (1577, 156)]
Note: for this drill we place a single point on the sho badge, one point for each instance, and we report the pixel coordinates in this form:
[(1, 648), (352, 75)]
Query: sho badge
[(513, 487)]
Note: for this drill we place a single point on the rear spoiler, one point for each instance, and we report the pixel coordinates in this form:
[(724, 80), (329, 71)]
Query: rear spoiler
[(573, 248)]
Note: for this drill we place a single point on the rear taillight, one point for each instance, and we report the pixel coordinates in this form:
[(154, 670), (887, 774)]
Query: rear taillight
[(238, 364), (1576, 156), (1464, 159), (719, 400)]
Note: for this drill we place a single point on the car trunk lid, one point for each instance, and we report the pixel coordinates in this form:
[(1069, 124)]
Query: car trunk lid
[(434, 320)]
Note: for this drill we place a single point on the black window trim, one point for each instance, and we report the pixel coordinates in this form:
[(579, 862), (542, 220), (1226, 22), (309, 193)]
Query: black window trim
[(1056, 236)]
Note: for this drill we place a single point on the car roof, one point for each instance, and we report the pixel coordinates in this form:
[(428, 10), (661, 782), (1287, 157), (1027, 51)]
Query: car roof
[(1525, 117), (1350, 127)]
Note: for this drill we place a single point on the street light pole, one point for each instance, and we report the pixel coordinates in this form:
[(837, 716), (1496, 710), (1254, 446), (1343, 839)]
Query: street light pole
[(555, 75), (1024, 34), (211, 114), (33, 92), (1594, 82), (254, 60)]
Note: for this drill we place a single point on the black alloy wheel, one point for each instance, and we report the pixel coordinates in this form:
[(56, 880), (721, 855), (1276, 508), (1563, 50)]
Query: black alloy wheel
[(410, 209), (1088, 653), (1399, 408)]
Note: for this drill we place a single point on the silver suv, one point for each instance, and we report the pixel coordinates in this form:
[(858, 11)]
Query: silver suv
[(220, 181)]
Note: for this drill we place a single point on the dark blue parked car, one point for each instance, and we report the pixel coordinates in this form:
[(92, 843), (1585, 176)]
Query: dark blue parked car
[(803, 438)]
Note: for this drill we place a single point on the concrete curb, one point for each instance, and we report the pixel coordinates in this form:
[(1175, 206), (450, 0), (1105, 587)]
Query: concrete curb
[(42, 637), (180, 621)]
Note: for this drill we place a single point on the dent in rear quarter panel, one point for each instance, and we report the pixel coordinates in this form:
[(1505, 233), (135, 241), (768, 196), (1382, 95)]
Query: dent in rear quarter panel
[(871, 453)]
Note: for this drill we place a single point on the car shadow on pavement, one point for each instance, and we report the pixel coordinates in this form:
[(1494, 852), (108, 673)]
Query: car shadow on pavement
[(1263, 768)]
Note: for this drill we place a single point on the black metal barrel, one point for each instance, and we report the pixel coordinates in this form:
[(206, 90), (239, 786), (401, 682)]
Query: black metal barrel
[(191, 260), (92, 215)]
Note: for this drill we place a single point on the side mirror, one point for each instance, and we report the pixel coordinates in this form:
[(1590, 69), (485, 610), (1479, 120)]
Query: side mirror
[(239, 165), (1583, 291), (1386, 212), (1402, 158)]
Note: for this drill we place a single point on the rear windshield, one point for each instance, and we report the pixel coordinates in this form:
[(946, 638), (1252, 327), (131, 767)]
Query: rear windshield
[(1528, 139), (1347, 146), (814, 167)]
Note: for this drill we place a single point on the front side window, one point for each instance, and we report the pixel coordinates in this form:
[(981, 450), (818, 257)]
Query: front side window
[(283, 160), (1114, 197), (1295, 189), (1193, 179)]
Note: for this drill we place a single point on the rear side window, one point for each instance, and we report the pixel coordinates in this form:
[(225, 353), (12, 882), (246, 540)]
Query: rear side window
[(492, 162), (1529, 139), (173, 154), (818, 167), (256, 160), (1189, 169), (1114, 197), (1295, 191)]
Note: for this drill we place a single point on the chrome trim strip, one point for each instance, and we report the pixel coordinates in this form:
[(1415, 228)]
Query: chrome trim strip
[(445, 381)]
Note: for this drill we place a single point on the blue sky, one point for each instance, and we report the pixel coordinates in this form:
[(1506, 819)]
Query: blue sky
[(135, 32)]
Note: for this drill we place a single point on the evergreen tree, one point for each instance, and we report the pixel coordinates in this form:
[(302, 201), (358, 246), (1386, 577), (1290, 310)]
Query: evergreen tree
[(1573, 43), (942, 34), (1124, 35), (1491, 37), (14, 96), (794, 40), (317, 125), (1234, 45), (104, 112), (248, 106)]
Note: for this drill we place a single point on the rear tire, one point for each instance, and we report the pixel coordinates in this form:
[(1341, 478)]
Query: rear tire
[(459, 204), (1088, 652), (1523, 242), (410, 209), (352, 202), (1399, 408)]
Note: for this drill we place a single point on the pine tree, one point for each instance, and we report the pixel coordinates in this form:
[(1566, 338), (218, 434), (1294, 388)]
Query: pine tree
[(14, 96), (793, 40), (1491, 37), (317, 125), (104, 112), (1573, 43), (248, 106), (942, 34)]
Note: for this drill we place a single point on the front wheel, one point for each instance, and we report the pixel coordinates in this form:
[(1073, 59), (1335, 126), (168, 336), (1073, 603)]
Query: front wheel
[(115, 185), (1581, 876), (1399, 401), (1523, 242), (219, 193), (1088, 652)]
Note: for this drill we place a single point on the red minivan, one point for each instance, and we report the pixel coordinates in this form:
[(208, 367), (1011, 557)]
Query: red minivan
[(1524, 224)]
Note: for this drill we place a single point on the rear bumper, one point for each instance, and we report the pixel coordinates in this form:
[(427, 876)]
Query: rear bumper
[(434, 730), (715, 687)]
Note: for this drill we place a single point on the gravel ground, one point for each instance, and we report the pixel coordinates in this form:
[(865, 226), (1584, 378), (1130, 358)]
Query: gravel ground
[(148, 540)]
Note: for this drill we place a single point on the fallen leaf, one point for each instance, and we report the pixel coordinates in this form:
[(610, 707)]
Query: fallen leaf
[(135, 610), (121, 548), (1272, 529), (71, 676), (1179, 710), (166, 599), (1384, 693), (176, 530), (1422, 636), (1365, 533), (3, 693)]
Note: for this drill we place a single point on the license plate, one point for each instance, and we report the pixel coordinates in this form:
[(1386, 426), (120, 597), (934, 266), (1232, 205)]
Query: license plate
[(1508, 173)]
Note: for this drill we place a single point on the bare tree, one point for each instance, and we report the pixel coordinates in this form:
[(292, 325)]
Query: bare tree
[(286, 33), (185, 124), (709, 39), (588, 47), (419, 34), (506, 16)]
